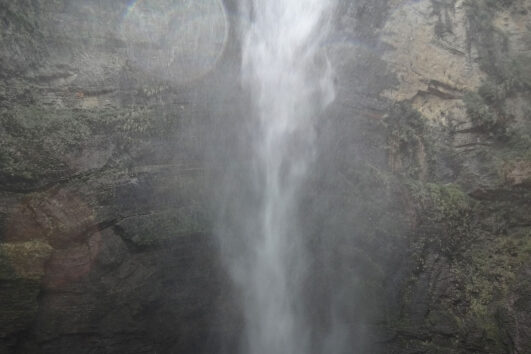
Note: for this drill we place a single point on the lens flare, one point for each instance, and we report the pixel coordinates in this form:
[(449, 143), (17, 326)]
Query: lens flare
[(176, 40)]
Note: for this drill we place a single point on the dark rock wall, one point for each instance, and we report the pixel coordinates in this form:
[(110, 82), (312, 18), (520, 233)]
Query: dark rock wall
[(425, 155), (104, 233), (417, 214)]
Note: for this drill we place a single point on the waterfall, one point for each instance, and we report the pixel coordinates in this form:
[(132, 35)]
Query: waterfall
[(288, 79)]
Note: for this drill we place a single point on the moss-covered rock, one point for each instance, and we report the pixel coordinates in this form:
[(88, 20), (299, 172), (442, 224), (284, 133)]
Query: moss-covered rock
[(22, 267)]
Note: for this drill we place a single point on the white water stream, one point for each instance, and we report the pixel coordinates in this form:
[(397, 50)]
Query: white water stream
[(289, 81)]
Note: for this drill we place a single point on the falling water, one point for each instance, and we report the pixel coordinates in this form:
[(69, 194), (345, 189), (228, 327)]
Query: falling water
[(288, 78)]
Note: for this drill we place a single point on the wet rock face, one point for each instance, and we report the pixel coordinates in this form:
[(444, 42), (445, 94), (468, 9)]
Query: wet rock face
[(430, 149), (104, 240), (417, 213), (465, 173)]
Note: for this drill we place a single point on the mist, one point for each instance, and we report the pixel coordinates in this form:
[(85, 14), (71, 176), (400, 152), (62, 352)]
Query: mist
[(265, 176), (289, 82)]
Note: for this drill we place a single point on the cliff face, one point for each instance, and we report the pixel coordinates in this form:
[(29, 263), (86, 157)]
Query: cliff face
[(454, 123), (104, 244), (108, 169), (434, 169)]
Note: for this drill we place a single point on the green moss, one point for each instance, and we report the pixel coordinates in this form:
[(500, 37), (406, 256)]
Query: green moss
[(496, 265), (407, 141), (507, 73), (405, 122), (488, 272), (517, 148), (484, 275), (445, 201), (491, 43), (443, 11), (37, 140), (444, 217)]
